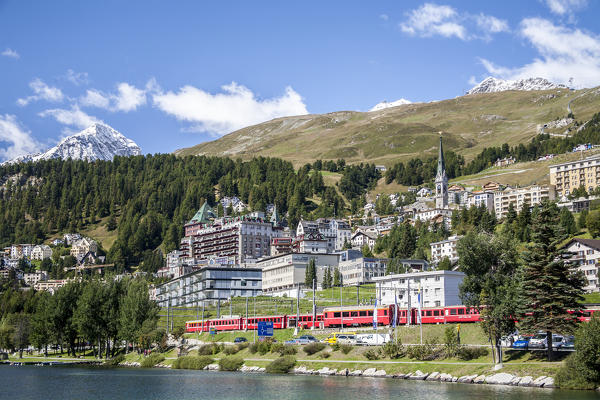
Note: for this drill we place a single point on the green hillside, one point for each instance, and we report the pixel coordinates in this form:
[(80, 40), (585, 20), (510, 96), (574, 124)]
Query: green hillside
[(469, 123)]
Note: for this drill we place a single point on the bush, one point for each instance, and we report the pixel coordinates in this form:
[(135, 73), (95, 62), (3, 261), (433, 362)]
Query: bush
[(325, 354), (192, 362), (569, 375), (210, 349), (152, 360), (471, 353), (582, 369), (335, 346), (243, 345), (424, 352), (230, 350), (276, 347), (346, 348), (115, 361), (253, 348), (371, 355), (264, 347), (313, 348), (393, 349), (451, 345), (282, 365), (283, 349), (230, 363)]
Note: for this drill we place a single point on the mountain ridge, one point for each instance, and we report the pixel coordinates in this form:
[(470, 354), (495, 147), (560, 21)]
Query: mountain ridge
[(494, 85), (97, 142)]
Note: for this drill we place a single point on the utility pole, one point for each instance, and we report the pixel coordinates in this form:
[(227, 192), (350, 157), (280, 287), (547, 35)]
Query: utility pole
[(230, 307), (342, 307), (218, 307), (297, 307), (202, 316), (357, 294), (246, 329), (255, 323)]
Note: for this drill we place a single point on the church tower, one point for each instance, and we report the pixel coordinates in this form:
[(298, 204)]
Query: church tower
[(441, 181)]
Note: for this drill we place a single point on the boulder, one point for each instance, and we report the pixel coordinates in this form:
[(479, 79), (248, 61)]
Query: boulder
[(467, 378), (369, 372), (356, 372), (434, 376), (515, 381), (454, 379), (499, 379), (418, 376), (380, 373), (343, 372), (323, 371), (399, 376), (479, 379), (213, 367), (526, 381), (539, 382), (549, 382), (444, 377)]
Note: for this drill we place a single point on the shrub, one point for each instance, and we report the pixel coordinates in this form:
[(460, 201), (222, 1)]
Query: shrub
[(451, 345), (346, 348), (264, 347), (152, 360), (325, 354), (230, 363), (243, 345), (115, 361), (423, 352), (569, 376), (282, 365), (471, 353), (276, 347), (582, 369), (393, 349), (253, 348), (288, 350), (371, 355), (335, 346), (313, 348), (230, 350), (192, 362), (210, 349)]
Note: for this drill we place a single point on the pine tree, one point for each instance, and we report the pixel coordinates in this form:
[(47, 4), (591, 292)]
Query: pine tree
[(548, 289), (444, 264), (568, 221), (581, 221), (337, 277), (310, 273), (326, 284)]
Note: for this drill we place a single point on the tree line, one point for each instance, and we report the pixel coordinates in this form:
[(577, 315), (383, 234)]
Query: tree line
[(91, 314)]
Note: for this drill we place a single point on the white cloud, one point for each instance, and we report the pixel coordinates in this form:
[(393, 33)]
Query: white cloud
[(77, 78), (384, 17), (564, 53), (128, 97), (20, 140), (562, 7), (236, 107), (441, 20), (10, 53), (491, 24), (73, 117), (432, 19), (42, 92), (473, 81)]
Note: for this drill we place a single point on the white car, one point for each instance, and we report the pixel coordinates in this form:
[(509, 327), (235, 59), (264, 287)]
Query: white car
[(372, 339), (538, 341)]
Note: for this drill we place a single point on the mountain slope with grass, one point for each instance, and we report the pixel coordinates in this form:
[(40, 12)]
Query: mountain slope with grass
[(469, 124)]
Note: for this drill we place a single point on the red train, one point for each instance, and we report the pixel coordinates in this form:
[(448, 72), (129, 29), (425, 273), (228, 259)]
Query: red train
[(356, 316)]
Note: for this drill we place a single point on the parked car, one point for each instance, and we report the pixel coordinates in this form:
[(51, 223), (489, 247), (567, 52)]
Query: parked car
[(557, 341), (568, 343), (304, 339), (372, 339), (240, 340), (522, 342), (349, 338), (538, 341)]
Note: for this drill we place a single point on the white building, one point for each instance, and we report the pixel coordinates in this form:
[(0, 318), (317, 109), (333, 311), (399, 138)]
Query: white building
[(32, 278), (530, 195), (83, 246), (586, 255), (335, 232), (285, 273), (41, 252), (481, 198), (20, 251), (70, 238), (438, 288), (357, 270), (360, 238), (424, 192), (445, 248)]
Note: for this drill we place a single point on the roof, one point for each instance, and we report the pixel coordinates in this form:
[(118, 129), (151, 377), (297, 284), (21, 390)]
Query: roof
[(203, 214), (593, 243)]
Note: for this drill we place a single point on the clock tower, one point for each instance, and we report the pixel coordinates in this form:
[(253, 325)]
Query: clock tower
[(441, 181)]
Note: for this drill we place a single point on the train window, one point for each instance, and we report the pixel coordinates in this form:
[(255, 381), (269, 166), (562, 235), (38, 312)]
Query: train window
[(436, 313), (461, 311), (453, 311), (384, 312), (354, 314), (422, 313), (428, 313), (363, 313), (370, 313), (346, 314), (336, 314)]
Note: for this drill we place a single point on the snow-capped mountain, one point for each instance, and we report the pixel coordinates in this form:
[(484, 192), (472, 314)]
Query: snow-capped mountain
[(491, 85), (384, 104), (97, 142)]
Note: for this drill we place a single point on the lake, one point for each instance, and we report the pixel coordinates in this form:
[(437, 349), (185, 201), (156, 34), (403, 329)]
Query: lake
[(58, 382)]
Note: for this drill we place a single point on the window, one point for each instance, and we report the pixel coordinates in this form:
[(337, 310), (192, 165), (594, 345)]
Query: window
[(453, 311), (346, 314), (354, 314), (336, 314), (363, 313), (461, 311)]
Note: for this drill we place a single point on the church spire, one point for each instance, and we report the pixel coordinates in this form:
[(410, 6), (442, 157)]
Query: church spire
[(441, 167), (441, 180)]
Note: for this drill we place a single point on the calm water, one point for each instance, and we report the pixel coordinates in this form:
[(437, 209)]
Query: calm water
[(29, 382)]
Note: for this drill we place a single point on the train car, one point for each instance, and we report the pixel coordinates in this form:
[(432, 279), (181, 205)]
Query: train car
[(430, 315), (461, 314), (357, 316), (223, 324), (305, 321), (587, 314), (279, 321)]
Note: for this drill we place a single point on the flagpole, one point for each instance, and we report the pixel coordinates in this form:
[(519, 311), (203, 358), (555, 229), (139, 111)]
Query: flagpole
[(420, 317)]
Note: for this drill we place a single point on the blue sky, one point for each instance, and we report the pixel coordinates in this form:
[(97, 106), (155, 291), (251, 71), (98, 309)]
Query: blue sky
[(173, 74)]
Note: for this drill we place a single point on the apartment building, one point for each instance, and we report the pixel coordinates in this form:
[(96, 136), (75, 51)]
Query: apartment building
[(445, 248), (570, 175), (530, 195), (481, 198), (586, 258), (335, 232), (284, 274), (361, 238), (83, 246), (438, 288), (41, 252), (357, 270)]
